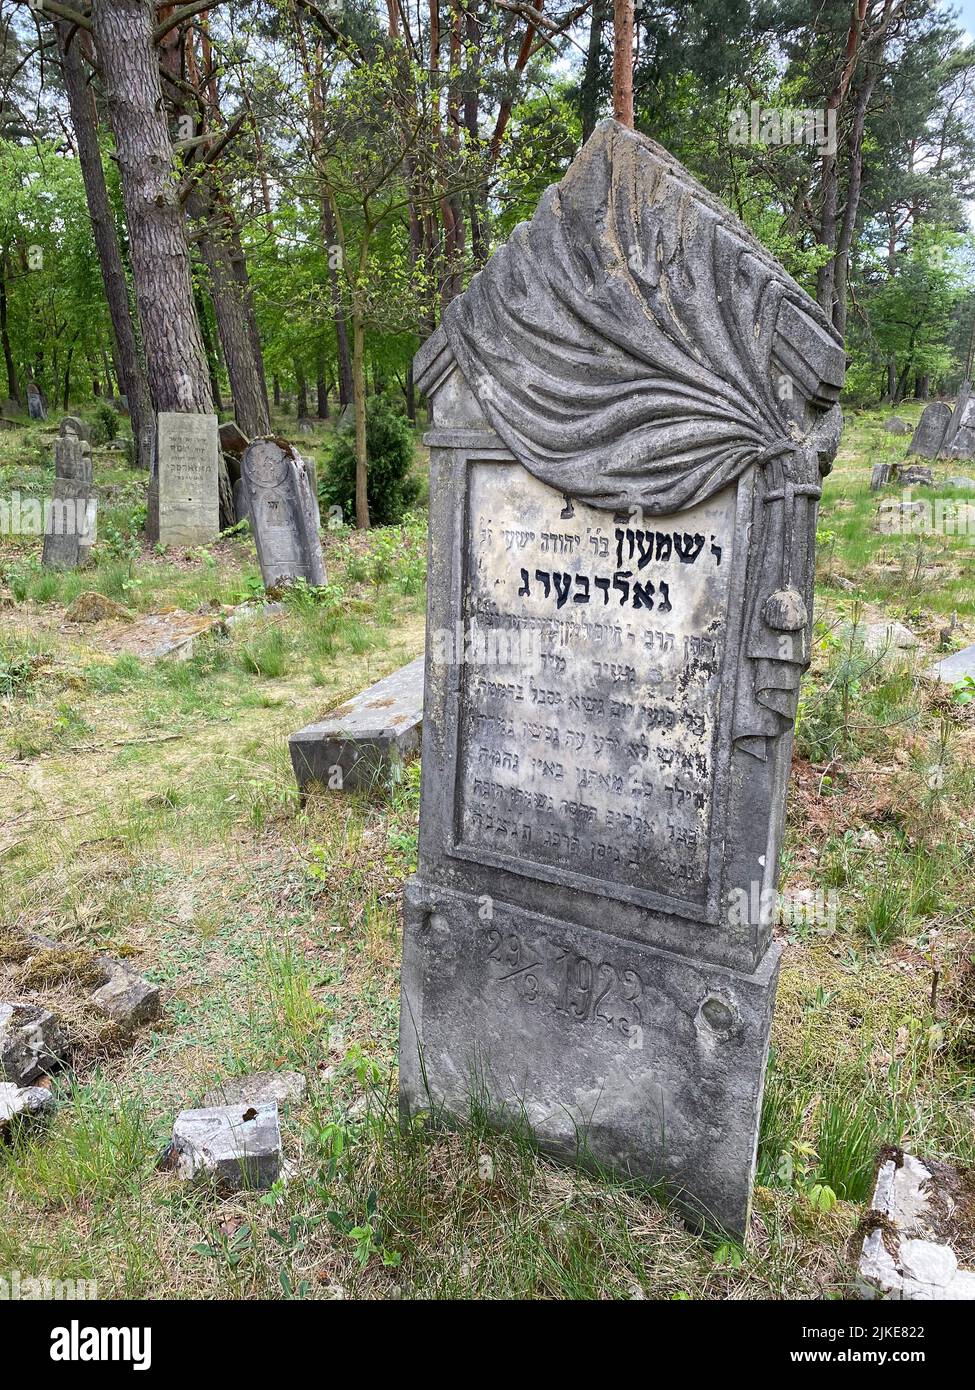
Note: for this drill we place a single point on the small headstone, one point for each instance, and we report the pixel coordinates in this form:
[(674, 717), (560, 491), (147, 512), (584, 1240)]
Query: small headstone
[(126, 998), (22, 1104), (954, 669), (189, 499), (962, 483), (959, 440), (70, 525), (620, 610), (930, 432), (32, 1043), (35, 403), (239, 1146), (880, 476), (364, 743), (233, 440), (72, 424), (915, 475), (919, 1213), (882, 639), (283, 1087), (306, 426), (283, 512), (895, 425)]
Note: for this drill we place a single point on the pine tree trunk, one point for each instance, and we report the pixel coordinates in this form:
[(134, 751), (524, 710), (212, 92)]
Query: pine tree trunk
[(175, 359), (84, 121)]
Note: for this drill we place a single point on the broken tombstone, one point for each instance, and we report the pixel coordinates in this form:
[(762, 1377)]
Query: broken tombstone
[(126, 998), (919, 1232), (20, 1104), (32, 1043), (239, 1146)]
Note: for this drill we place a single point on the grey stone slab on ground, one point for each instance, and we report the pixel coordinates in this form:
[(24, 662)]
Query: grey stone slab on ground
[(22, 1104), (930, 432), (620, 610), (961, 482), (283, 513), (32, 1043), (239, 1146), (895, 425), (126, 998), (283, 1087), (919, 1209), (954, 668), (882, 639), (365, 741), (959, 440), (188, 489)]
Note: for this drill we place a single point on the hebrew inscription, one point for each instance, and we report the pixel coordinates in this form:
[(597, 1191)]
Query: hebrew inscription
[(591, 692)]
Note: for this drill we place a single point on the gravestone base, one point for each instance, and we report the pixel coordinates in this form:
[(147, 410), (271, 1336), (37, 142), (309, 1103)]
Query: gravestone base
[(616, 1055)]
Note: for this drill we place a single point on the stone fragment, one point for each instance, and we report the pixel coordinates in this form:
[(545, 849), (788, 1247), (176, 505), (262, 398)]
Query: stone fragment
[(879, 639), (233, 440), (126, 998), (92, 607), (283, 513), (918, 1209), (171, 635), (239, 1146), (880, 476), (20, 1105), (895, 425), (283, 1087), (915, 475), (32, 1043), (365, 741), (963, 483), (953, 669), (930, 432)]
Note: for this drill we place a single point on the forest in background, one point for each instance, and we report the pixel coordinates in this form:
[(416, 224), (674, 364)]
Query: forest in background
[(238, 206)]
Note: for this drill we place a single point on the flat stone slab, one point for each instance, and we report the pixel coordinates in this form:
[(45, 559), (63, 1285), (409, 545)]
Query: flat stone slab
[(880, 639), (366, 740), (283, 1087), (954, 668), (22, 1103), (238, 1145), (919, 1229), (170, 634), (32, 1043), (964, 484)]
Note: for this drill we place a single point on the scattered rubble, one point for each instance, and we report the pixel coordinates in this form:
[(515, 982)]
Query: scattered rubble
[(917, 1231), (32, 1043), (21, 1104)]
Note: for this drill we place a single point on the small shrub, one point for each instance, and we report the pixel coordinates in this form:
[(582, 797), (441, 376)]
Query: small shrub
[(105, 425), (389, 447)]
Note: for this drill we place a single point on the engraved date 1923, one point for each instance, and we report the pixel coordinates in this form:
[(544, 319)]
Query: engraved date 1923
[(559, 980)]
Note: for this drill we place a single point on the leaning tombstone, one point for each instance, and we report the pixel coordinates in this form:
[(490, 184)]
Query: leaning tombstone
[(69, 530), (632, 408), (35, 403), (283, 513), (880, 476), (188, 499), (959, 440), (929, 435)]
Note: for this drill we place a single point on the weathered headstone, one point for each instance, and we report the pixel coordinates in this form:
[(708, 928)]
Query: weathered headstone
[(929, 435), (914, 475), (73, 424), (632, 407), (283, 512), (69, 530), (35, 403), (959, 440), (188, 490), (895, 425), (880, 476), (366, 741)]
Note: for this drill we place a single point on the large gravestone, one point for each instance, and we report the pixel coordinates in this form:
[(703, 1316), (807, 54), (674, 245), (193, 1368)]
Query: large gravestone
[(632, 407), (959, 440), (188, 490), (283, 511), (69, 531), (929, 435)]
